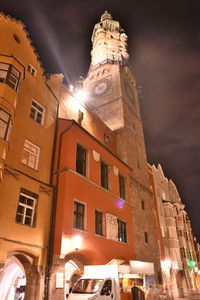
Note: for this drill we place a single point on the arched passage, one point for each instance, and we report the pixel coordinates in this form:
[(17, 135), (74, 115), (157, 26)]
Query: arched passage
[(19, 277), (12, 279), (74, 267)]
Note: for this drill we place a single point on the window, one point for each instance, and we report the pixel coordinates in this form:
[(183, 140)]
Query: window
[(37, 112), (183, 252), (9, 75), (26, 208), (104, 175), (163, 196), (98, 222), (79, 215), (122, 231), (189, 255), (30, 155), (5, 122), (87, 286), (142, 205), (107, 288), (31, 70), (81, 160), (186, 235), (16, 38), (122, 186), (106, 140), (180, 233), (146, 237)]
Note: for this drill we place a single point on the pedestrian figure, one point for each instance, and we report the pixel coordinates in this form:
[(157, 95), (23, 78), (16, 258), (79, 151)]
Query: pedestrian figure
[(137, 294), (67, 288), (141, 294), (150, 293)]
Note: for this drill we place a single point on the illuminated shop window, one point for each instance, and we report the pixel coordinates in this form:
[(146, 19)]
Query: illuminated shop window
[(5, 124), (30, 155), (31, 70), (79, 216), (9, 75), (26, 208), (81, 160), (122, 186), (104, 175), (37, 112), (98, 222), (122, 234)]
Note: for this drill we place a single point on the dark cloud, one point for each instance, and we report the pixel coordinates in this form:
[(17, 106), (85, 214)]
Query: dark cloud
[(167, 68)]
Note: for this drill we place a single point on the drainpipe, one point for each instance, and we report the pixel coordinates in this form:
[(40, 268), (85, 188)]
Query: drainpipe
[(52, 217), (54, 201)]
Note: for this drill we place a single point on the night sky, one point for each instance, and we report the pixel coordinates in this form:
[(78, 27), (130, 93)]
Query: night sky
[(164, 45)]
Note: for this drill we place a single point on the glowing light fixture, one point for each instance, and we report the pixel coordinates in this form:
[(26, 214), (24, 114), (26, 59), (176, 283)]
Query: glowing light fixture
[(192, 263), (81, 95), (166, 264), (77, 240), (71, 88)]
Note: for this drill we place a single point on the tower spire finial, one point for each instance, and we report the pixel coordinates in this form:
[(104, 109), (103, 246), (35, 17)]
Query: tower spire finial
[(106, 16), (109, 42)]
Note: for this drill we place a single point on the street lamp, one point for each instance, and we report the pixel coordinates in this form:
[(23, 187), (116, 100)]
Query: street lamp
[(77, 240)]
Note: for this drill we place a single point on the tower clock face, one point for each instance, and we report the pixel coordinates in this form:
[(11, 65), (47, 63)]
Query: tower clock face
[(102, 87)]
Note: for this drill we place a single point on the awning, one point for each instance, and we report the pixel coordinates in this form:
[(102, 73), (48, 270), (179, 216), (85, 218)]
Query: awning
[(141, 267)]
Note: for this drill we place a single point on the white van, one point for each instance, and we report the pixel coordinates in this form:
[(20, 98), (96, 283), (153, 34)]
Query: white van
[(100, 283)]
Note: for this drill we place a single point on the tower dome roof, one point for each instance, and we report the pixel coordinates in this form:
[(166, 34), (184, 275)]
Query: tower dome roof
[(106, 16)]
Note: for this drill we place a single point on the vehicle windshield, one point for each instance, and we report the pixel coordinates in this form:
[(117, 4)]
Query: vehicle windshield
[(87, 286)]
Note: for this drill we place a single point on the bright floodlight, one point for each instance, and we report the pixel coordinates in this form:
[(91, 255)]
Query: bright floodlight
[(71, 88), (77, 242), (81, 95), (166, 264)]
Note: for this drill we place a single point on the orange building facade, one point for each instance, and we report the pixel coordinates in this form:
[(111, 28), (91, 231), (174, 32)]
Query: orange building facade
[(28, 112), (104, 210), (89, 208)]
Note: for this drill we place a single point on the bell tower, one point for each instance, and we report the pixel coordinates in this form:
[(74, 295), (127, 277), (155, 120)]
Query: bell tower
[(112, 95)]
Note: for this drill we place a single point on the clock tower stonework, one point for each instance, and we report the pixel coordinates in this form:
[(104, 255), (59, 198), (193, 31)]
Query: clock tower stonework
[(112, 96)]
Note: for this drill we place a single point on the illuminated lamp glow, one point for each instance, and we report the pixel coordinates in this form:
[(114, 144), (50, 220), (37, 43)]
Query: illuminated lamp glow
[(192, 263), (81, 95), (77, 240), (119, 203), (166, 264), (71, 88)]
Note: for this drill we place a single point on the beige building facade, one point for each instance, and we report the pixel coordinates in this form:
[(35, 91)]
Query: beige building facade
[(179, 261)]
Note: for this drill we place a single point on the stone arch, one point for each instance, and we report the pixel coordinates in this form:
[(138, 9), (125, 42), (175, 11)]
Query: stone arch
[(32, 276), (18, 267), (74, 267), (75, 262)]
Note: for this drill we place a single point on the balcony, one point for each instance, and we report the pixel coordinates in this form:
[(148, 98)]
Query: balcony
[(8, 97)]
